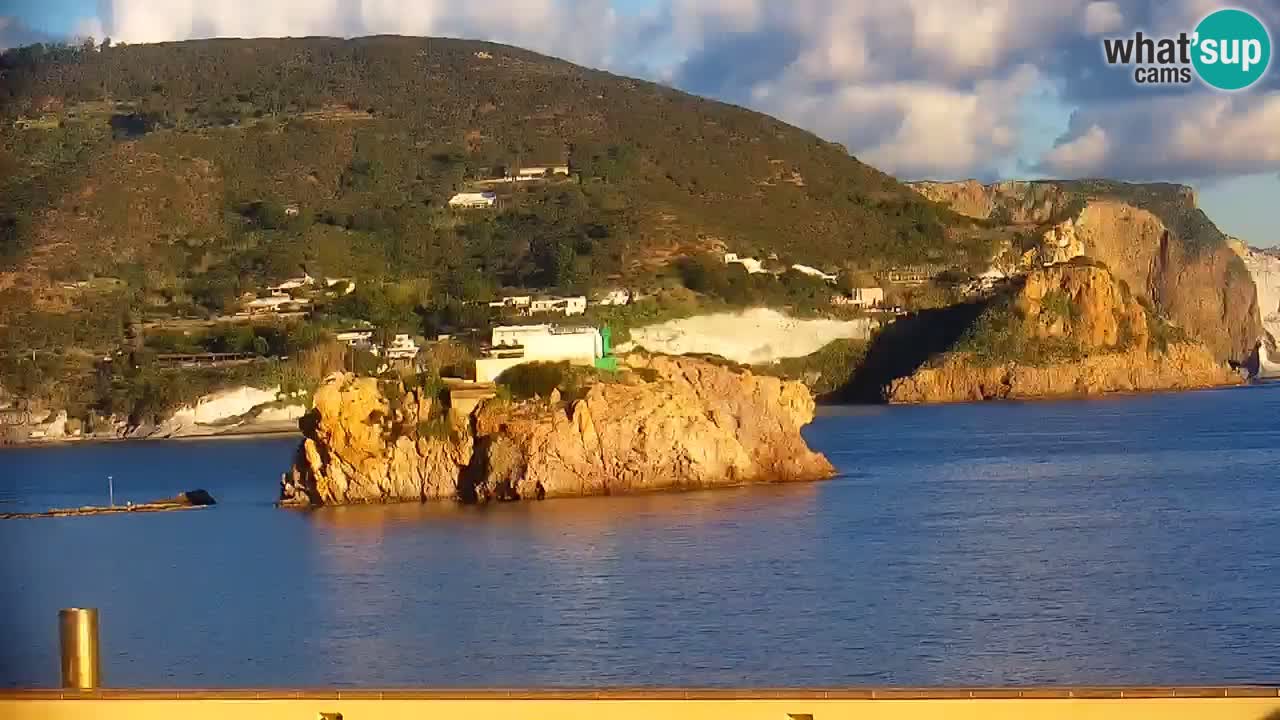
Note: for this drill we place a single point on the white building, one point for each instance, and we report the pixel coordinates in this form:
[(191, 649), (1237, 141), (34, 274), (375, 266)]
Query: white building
[(518, 302), (576, 305), (293, 283), (473, 200), (867, 297), (355, 337), (752, 265), (536, 171), (275, 302), (514, 345), (401, 348), (813, 272), (614, 297)]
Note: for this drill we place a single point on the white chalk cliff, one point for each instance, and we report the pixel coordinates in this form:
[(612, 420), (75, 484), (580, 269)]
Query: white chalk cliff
[(1264, 268), (751, 337)]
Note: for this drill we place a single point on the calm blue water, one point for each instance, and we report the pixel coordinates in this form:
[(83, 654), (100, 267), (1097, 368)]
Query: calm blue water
[(1132, 540)]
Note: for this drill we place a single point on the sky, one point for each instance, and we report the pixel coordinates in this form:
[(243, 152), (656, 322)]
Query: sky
[(923, 89)]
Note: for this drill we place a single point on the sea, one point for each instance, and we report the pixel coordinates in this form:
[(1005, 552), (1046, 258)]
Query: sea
[(1130, 540)]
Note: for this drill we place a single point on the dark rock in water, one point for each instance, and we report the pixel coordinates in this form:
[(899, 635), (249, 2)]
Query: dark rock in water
[(199, 497), (191, 497)]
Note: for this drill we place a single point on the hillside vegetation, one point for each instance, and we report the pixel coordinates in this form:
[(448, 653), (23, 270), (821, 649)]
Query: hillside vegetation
[(158, 181), (185, 154)]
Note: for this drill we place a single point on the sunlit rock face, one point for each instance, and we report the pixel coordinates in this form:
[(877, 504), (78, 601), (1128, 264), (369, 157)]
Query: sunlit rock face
[(1084, 307), (1153, 237), (662, 423)]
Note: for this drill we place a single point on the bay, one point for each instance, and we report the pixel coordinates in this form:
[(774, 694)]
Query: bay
[(1123, 540)]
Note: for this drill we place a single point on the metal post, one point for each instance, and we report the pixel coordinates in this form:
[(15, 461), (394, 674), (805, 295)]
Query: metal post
[(111, 491), (78, 636)]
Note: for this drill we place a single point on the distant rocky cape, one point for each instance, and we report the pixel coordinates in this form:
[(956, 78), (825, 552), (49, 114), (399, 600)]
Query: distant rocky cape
[(664, 423), (1152, 236), (1101, 318)]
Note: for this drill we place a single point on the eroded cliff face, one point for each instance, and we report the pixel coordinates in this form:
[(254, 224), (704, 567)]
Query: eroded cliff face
[(1151, 236), (692, 424), (1104, 340), (1082, 304)]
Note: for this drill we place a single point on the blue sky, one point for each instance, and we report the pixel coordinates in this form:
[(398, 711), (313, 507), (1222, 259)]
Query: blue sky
[(945, 89)]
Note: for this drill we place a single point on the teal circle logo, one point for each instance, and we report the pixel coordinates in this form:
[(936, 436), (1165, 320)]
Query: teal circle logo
[(1232, 49)]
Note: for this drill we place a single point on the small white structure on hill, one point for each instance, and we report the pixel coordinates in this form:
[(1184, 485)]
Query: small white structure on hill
[(351, 284), (614, 297), (752, 265), (519, 302), (534, 172), (401, 348), (276, 302), (576, 305), (293, 283), (813, 272), (866, 297), (913, 274), (473, 200), (514, 345), (355, 337)]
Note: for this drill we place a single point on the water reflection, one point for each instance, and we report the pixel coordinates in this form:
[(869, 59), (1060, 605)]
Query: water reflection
[(1123, 541), (586, 515), (554, 587)]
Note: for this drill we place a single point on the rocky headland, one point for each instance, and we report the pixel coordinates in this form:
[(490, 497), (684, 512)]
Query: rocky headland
[(660, 423), (1070, 329), (1152, 236)]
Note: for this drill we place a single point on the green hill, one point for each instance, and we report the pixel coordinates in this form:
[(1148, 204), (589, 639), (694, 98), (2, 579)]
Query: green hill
[(169, 166), (151, 182)]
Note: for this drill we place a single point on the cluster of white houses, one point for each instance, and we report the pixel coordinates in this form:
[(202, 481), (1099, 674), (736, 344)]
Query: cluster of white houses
[(529, 305), (865, 297), (486, 199), (513, 345), (284, 297), (473, 200), (401, 348), (509, 346), (567, 306)]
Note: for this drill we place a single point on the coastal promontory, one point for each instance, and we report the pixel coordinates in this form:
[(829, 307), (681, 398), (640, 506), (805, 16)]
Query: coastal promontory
[(659, 423), (1070, 329)]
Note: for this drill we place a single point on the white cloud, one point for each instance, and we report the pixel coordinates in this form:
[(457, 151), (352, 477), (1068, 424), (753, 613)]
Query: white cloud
[(577, 30), (1200, 136), (915, 129), (1102, 17), (1080, 156)]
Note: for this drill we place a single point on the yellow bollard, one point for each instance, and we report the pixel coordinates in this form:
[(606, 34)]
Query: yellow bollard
[(78, 635)]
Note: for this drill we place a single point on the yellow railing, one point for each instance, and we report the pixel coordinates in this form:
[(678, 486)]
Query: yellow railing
[(1084, 703), (82, 697)]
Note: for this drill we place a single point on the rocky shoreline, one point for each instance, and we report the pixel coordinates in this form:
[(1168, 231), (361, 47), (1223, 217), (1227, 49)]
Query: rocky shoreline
[(957, 379), (663, 423)]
